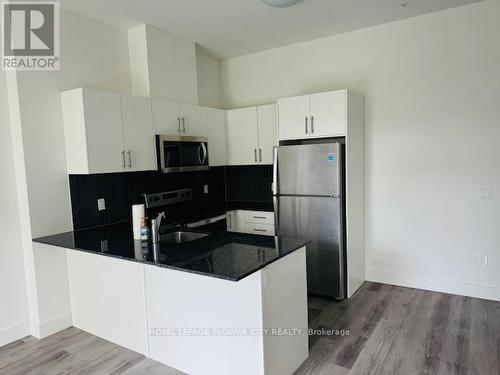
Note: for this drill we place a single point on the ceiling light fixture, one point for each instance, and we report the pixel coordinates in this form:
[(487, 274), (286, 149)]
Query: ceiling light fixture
[(281, 3)]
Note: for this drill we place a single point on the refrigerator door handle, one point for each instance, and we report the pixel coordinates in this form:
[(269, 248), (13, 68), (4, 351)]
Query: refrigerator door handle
[(276, 216), (274, 185)]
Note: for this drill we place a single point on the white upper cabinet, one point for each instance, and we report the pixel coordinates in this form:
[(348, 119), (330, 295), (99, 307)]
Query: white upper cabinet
[(176, 119), (243, 136), (294, 117), (328, 114), (213, 125), (106, 132), (267, 123), (252, 134), (190, 117), (93, 131), (166, 117), (139, 140), (313, 116)]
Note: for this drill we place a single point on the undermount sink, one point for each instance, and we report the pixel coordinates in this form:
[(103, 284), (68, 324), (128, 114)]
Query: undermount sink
[(181, 237)]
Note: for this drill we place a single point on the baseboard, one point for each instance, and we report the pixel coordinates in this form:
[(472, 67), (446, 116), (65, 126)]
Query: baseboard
[(13, 333), (433, 284), (51, 326)]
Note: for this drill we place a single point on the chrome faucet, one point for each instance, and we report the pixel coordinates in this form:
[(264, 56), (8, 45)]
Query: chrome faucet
[(155, 227)]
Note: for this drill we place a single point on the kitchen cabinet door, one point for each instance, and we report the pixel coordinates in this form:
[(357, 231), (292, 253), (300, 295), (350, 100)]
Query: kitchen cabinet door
[(213, 126), (138, 133), (242, 136), (268, 132), (166, 117), (329, 114), (190, 116), (102, 131), (293, 117)]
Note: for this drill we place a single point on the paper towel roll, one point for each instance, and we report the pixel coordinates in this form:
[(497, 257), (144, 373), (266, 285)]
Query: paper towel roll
[(137, 215)]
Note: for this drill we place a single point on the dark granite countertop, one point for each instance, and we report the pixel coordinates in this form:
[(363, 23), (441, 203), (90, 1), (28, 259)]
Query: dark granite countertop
[(222, 254)]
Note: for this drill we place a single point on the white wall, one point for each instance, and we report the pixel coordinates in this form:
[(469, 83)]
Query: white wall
[(432, 88), (209, 89), (14, 314), (162, 65), (93, 54)]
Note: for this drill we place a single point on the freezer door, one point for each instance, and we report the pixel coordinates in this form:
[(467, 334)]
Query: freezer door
[(313, 169), (317, 219)]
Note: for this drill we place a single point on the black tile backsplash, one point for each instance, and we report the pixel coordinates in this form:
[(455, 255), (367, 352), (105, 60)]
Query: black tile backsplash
[(248, 184)]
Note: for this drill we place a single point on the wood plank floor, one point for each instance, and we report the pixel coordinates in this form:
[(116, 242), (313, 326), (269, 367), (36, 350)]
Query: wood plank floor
[(392, 330), (402, 331)]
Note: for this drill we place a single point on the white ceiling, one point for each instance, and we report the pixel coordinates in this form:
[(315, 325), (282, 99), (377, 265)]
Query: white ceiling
[(229, 28)]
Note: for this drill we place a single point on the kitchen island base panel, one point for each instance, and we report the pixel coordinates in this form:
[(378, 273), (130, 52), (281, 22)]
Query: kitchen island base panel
[(108, 299), (205, 325)]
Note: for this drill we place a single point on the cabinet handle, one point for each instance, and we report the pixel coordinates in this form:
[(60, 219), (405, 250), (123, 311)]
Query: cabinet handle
[(260, 154), (129, 158), (260, 217), (260, 230), (183, 125), (306, 125), (123, 159), (179, 124), (312, 124), (255, 154)]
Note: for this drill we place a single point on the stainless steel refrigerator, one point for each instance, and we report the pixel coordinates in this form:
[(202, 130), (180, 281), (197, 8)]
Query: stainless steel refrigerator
[(308, 203)]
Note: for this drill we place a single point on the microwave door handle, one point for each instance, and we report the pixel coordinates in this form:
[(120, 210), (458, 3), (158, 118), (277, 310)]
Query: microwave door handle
[(200, 154), (205, 153)]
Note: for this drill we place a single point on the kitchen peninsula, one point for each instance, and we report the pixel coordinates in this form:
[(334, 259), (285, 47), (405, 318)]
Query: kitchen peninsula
[(199, 301)]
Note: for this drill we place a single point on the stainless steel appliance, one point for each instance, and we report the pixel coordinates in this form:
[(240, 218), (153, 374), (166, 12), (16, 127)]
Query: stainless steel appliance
[(176, 203), (308, 203), (181, 153)]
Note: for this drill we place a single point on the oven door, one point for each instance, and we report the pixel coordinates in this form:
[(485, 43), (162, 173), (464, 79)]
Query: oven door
[(182, 154)]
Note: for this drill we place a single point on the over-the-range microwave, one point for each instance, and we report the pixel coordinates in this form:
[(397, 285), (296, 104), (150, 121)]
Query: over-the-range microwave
[(181, 153)]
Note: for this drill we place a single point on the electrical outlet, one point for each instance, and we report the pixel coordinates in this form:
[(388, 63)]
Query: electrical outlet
[(205, 189), (101, 204), (485, 194), (483, 260), (104, 246)]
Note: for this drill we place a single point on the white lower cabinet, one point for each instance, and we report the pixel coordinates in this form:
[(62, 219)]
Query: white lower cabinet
[(186, 320), (210, 326), (251, 222)]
